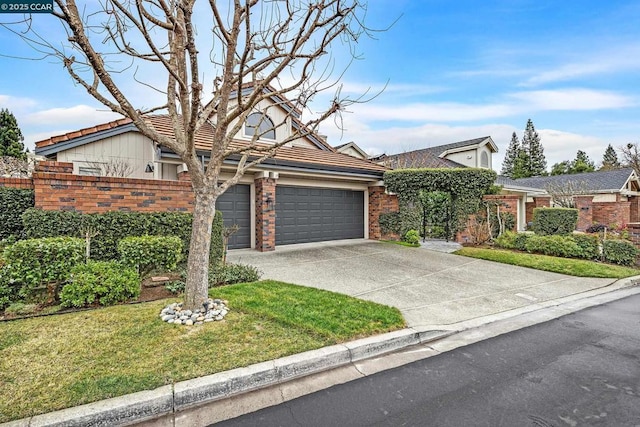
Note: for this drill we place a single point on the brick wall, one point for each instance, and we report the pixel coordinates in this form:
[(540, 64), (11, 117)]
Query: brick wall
[(265, 214), (608, 213), (96, 194), (379, 203), (25, 183), (538, 202), (585, 207), (634, 233), (508, 204)]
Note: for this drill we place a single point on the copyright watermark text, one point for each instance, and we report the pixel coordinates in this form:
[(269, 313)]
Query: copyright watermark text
[(26, 6)]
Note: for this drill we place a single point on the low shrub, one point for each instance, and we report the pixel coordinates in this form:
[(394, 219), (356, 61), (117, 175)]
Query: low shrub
[(512, 240), (107, 282), (620, 252), (228, 274), (175, 286), (596, 228), (149, 253), (589, 245), (560, 246), (553, 221), (37, 267), (412, 237)]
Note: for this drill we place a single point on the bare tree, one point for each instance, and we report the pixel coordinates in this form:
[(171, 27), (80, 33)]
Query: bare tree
[(112, 167), (631, 156), (14, 167), (220, 62), (562, 193)]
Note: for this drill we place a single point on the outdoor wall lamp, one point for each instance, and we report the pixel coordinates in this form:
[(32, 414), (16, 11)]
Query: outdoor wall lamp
[(269, 203), (149, 168)]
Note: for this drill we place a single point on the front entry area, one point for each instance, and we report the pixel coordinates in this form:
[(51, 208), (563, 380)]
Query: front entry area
[(306, 214)]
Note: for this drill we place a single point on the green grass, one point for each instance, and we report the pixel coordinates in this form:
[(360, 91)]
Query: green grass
[(570, 266), (55, 362)]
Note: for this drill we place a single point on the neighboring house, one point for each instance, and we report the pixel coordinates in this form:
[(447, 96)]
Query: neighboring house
[(351, 149), (473, 153), (307, 192), (606, 197)]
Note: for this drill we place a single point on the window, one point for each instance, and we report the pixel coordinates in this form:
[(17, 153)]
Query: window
[(260, 124), (84, 170), (484, 160)]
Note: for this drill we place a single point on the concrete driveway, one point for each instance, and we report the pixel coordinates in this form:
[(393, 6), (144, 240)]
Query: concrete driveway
[(432, 289)]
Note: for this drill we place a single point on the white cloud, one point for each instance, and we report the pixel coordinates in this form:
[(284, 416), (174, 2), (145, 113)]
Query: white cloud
[(16, 104), (570, 99), (79, 116), (611, 60)]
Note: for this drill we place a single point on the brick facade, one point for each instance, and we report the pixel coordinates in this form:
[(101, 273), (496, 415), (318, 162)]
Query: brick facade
[(609, 213), (508, 204), (97, 194), (585, 207), (25, 183), (379, 203), (265, 214)]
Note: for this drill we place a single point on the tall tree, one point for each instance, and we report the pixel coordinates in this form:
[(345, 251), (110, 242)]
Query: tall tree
[(582, 163), (535, 152), (610, 159), (511, 156), (11, 139), (631, 156), (254, 51)]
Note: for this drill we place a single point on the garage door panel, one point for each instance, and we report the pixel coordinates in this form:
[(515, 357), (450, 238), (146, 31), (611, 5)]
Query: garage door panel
[(318, 214), (235, 205)]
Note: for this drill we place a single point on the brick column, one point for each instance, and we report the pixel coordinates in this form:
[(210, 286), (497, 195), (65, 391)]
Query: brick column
[(634, 209), (584, 204), (379, 203), (265, 212)]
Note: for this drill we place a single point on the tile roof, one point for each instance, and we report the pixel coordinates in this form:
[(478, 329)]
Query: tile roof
[(613, 180), (301, 155), (416, 159)]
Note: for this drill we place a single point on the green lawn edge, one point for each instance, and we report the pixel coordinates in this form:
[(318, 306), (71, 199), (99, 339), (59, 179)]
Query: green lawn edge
[(55, 362), (569, 266)]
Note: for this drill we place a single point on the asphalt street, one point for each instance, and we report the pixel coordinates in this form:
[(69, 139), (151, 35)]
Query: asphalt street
[(581, 369)]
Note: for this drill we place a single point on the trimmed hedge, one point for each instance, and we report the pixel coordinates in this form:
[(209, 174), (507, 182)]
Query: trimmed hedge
[(147, 253), (39, 266), (589, 245), (107, 282), (620, 252), (560, 246), (512, 240), (110, 227), (13, 203), (550, 221)]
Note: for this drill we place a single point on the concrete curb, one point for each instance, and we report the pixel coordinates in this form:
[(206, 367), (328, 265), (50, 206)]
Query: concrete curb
[(171, 400)]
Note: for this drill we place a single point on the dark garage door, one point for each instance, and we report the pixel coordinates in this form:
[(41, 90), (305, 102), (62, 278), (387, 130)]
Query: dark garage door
[(235, 206), (318, 214)]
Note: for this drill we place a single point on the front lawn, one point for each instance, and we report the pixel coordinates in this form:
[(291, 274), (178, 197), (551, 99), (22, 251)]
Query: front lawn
[(570, 266), (55, 362)]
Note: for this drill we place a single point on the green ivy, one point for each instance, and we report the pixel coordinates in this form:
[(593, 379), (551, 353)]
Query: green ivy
[(13, 202), (108, 228), (465, 187)]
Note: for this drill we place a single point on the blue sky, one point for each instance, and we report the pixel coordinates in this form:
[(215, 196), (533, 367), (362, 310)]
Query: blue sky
[(453, 70)]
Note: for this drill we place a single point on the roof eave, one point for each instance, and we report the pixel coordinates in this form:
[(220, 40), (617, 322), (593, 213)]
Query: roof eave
[(49, 150)]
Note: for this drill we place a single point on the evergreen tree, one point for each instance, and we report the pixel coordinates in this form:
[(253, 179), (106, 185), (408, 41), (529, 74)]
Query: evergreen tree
[(537, 163), (521, 166), (10, 136), (582, 163), (610, 159), (561, 168), (511, 156)]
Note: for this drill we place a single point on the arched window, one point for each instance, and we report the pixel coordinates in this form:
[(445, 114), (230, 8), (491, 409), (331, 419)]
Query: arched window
[(260, 124), (484, 160)]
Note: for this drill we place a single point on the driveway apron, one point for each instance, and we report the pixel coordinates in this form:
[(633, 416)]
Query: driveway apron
[(432, 289)]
